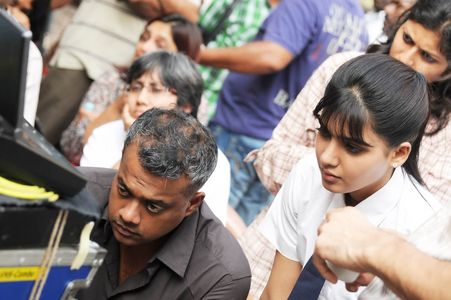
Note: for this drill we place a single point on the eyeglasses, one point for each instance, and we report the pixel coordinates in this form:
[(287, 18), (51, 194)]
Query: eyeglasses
[(153, 88)]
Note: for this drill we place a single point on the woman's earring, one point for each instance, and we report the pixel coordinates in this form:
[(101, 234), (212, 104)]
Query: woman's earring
[(395, 165)]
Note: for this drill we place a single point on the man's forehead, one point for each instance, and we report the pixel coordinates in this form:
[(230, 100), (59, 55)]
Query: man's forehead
[(132, 174)]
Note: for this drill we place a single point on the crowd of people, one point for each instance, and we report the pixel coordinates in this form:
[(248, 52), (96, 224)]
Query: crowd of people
[(316, 131)]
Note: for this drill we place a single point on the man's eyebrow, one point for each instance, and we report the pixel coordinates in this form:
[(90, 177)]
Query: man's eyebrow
[(156, 202), (121, 182)]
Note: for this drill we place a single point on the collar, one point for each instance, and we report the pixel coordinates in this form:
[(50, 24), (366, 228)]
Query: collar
[(176, 252), (377, 206)]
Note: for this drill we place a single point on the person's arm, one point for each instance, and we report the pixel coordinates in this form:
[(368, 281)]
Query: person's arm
[(410, 273), (235, 224), (20, 16), (187, 8), (294, 136), (102, 92), (348, 240), (281, 228), (260, 254), (283, 277), (259, 57), (236, 289), (151, 9), (227, 289)]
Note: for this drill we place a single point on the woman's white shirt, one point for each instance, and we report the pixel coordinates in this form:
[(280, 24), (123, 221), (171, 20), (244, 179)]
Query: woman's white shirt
[(301, 204)]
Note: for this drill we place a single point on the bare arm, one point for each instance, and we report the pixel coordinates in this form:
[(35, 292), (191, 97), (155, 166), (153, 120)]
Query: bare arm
[(410, 273), (283, 277), (348, 240), (151, 9), (187, 8), (259, 57)]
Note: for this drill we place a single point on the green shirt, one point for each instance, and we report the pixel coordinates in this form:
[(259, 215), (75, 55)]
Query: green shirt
[(240, 27)]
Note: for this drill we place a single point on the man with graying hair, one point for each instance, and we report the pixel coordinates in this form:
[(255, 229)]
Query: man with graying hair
[(163, 242)]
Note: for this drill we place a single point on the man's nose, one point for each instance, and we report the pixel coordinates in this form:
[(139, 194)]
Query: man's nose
[(130, 212)]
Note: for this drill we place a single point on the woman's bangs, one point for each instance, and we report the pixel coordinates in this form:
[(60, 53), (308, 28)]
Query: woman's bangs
[(344, 119)]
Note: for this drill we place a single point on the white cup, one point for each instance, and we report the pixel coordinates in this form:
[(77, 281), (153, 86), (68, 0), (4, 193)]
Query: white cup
[(345, 275)]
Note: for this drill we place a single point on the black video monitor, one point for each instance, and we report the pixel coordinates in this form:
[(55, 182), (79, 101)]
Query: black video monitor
[(25, 155), (14, 47)]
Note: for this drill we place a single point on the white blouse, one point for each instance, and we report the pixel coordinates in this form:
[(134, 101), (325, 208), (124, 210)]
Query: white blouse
[(301, 204)]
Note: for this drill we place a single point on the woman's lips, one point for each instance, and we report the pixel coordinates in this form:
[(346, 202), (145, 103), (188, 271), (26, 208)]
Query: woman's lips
[(329, 177)]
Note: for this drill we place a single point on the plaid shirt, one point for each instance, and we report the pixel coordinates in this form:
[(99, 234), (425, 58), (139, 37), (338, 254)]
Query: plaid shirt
[(294, 137), (259, 253), (240, 27)]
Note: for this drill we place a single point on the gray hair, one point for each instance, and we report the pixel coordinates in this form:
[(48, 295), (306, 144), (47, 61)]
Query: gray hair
[(176, 71), (173, 144)]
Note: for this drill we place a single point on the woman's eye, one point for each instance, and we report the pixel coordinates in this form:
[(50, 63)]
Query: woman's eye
[(407, 39), (144, 37), (427, 57), (352, 148), (323, 132), (135, 88), (153, 208)]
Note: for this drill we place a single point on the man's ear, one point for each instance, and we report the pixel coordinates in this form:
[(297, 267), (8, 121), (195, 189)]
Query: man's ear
[(194, 203), (400, 154)]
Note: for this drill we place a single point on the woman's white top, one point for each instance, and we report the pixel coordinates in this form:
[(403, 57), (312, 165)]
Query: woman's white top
[(301, 204), (104, 150)]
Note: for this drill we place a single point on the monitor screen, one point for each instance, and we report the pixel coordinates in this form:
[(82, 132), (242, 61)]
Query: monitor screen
[(14, 45)]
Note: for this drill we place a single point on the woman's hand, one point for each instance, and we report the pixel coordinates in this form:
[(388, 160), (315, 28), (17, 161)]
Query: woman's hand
[(21, 17), (127, 117)]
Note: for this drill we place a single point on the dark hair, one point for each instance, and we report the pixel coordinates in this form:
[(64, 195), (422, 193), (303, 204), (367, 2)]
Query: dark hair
[(379, 91), (172, 144), (176, 71), (434, 15), (186, 35)]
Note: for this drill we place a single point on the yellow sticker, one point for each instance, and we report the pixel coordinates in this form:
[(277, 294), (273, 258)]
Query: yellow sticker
[(19, 274)]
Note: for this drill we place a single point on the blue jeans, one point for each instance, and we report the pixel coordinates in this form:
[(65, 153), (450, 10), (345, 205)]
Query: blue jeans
[(247, 194)]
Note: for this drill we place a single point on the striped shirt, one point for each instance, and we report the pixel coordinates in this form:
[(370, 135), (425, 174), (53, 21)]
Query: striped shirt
[(102, 34)]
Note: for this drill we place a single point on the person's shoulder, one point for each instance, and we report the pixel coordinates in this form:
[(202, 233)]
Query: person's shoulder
[(415, 194), (107, 132), (336, 60), (98, 182), (416, 203), (99, 176), (220, 245), (306, 168), (217, 258), (109, 76), (303, 185), (113, 126)]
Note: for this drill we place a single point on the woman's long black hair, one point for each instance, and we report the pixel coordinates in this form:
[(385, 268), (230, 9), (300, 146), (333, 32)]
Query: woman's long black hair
[(378, 91), (434, 15)]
